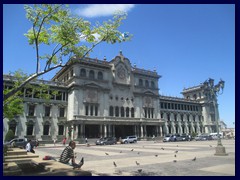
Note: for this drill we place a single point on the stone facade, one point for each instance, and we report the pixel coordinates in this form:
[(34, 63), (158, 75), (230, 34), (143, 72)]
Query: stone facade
[(98, 98)]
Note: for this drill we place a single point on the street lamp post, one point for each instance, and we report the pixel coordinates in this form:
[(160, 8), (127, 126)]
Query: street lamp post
[(212, 91)]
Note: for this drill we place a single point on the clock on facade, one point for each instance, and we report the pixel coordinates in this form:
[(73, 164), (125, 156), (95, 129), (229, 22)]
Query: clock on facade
[(121, 73)]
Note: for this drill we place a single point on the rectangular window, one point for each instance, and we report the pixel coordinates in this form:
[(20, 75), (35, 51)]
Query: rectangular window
[(96, 111), (62, 112), (47, 111), (28, 93), (29, 129), (86, 110), (161, 105), (91, 110), (64, 96), (60, 129), (59, 96), (31, 110)]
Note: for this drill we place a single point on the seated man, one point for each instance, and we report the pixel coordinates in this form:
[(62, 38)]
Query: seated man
[(29, 146), (68, 154)]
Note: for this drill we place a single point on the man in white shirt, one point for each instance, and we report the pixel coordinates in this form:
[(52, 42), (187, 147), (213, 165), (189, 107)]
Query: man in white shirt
[(29, 147)]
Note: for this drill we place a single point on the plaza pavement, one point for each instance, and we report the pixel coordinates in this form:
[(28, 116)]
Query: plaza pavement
[(148, 158)]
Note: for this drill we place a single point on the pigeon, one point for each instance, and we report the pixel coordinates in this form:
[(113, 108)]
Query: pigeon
[(114, 164), (162, 148), (194, 159), (137, 163), (176, 151), (132, 149), (174, 160), (107, 154), (139, 170), (175, 155), (156, 155)]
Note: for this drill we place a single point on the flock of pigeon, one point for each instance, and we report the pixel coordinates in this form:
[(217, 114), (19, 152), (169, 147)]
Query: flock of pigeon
[(156, 155)]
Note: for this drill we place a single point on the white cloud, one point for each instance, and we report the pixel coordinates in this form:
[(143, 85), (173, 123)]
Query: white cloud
[(96, 10)]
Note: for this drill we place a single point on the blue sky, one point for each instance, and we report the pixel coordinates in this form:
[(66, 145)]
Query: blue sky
[(187, 44)]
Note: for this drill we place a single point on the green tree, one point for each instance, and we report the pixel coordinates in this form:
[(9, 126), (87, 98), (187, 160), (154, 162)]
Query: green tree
[(13, 106), (66, 35), (9, 136)]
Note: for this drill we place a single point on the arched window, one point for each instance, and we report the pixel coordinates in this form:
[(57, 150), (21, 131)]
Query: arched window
[(146, 83), (127, 112), (117, 111), (152, 84), (100, 75), (132, 112), (140, 82), (111, 111), (122, 112), (91, 74), (83, 73)]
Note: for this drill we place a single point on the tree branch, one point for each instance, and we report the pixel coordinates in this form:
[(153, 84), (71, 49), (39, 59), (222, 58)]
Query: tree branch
[(30, 78)]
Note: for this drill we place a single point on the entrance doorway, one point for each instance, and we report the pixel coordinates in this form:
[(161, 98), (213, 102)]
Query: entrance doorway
[(92, 131), (124, 130)]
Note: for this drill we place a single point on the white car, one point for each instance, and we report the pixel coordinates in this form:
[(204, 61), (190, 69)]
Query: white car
[(129, 139)]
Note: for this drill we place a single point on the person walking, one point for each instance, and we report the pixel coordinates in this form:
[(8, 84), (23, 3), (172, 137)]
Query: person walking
[(68, 154), (64, 141)]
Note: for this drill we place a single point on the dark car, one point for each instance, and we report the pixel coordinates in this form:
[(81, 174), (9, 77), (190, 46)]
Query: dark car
[(106, 141), (174, 137), (183, 138)]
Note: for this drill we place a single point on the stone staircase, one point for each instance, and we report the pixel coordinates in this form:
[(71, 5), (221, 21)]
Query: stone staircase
[(17, 157)]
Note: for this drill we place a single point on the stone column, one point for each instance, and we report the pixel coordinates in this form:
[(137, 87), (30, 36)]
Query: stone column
[(141, 128), (160, 131), (101, 130), (105, 130)]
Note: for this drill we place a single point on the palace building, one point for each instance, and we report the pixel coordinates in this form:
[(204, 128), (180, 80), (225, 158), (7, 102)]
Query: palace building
[(99, 98)]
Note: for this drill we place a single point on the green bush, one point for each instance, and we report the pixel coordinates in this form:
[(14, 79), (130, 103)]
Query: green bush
[(9, 136)]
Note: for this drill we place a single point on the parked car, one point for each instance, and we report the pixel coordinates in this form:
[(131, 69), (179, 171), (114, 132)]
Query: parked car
[(183, 137), (129, 139), (173, 138), (16, 142), (20, 142), (167, 138), (203, 137), (106, 141)]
